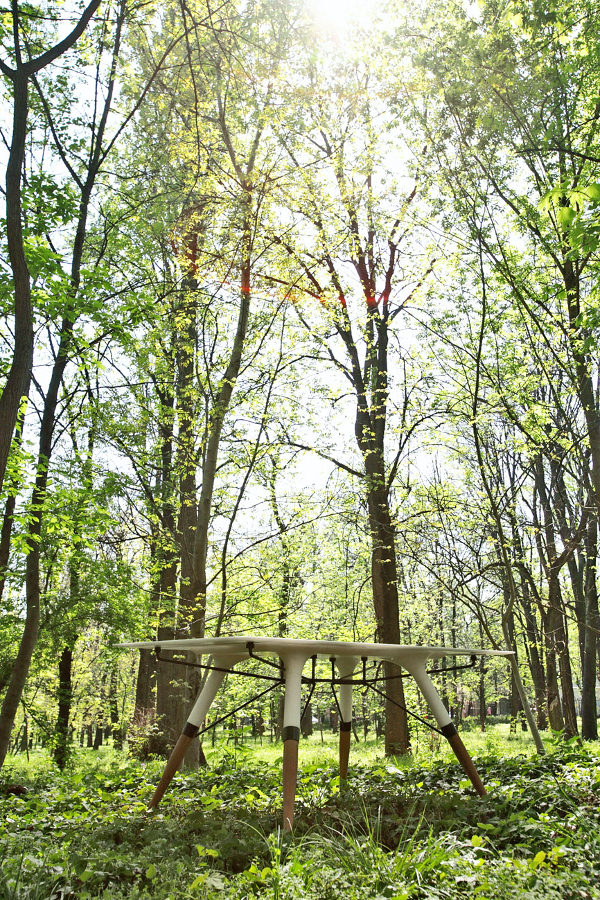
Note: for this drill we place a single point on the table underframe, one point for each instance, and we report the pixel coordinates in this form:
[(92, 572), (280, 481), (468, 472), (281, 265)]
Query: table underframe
[(292, 664)]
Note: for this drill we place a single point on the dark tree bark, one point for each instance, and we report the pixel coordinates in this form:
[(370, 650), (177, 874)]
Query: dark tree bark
[(589, 717), (556, 635), (98, 737), (306, 725), (552, 630), (113, 709), (144, 704), (65, 697), (17, 383), (8, 518), (481, 686), (531, 636)]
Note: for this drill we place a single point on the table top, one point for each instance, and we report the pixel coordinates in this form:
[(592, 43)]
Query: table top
[(238, 646)]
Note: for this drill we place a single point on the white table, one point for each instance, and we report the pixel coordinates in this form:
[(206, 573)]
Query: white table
[(347, 659)]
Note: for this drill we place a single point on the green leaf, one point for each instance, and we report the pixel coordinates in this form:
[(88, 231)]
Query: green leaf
[(592, 191), (565, 216), (215, 880), (79, 864)]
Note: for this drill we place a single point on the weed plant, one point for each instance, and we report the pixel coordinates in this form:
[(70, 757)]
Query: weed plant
[(399, 829)]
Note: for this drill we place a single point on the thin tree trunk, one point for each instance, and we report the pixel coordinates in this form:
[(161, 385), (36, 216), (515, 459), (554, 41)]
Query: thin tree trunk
[(32, 565), (531, 636), (502, 543), (113, 708), (589, 718), (9, 511), (554, 706), (481, 692), (566, 677), (216, 421), (17, 383)]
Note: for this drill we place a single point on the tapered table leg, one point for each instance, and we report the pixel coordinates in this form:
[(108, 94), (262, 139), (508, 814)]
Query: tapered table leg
[(175, 759), (291, 735), (345, 737), (290, 776), (345, 666), (190, 730), (462, 755), (446, 725)]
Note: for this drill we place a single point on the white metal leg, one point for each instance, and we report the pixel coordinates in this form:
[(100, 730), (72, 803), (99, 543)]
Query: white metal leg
[(429, 691), (345, 666), (291, 733)]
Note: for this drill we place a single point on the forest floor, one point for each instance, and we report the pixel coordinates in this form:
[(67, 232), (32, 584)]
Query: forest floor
[(399, 829)]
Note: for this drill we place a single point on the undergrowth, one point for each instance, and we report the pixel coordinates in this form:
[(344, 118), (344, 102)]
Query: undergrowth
[(395, 830)]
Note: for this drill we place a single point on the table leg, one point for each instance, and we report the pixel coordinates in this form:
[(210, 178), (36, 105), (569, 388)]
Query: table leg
[(446, 725), (291, 735), (346, 666), (190, 730)]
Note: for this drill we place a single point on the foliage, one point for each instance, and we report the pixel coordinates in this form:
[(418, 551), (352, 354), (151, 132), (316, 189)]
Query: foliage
[(395, 831)]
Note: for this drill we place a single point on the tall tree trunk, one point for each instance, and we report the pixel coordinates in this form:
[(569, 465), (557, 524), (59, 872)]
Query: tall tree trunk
[(9, 512), (589, 718), (566, 674), (144, 704), (20, 670), (185, 682), (555, 623), (65, 698), (385, 601), (217, 415), (531, 636), (144, 708), (552, 628), (536, 667), (113, 709), (584, 365), (166, 546), (17, 383), (481, 691), (194, 601), (516, 704), (69, 316), (502, 544)]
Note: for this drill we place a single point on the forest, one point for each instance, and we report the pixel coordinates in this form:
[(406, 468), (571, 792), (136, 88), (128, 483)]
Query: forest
[(299, 339)]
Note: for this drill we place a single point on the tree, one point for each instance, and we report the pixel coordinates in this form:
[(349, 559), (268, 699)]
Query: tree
[(80, 286), (514, 144), (350, 289), (20, 71)]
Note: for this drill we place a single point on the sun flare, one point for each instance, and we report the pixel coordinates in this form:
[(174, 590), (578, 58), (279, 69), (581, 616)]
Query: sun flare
[(339, 16)]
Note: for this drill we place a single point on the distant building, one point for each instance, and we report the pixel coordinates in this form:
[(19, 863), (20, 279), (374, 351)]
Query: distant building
[(577, 693)]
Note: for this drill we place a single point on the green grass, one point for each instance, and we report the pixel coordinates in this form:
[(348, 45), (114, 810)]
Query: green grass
[(400, 829), (497, 739)]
